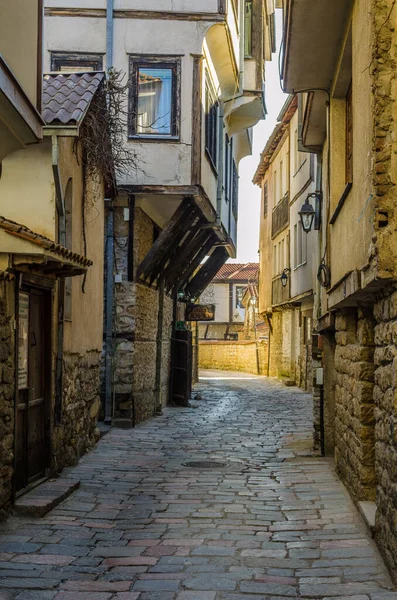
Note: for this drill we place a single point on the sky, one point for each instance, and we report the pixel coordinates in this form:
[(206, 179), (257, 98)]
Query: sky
[(250, 194)]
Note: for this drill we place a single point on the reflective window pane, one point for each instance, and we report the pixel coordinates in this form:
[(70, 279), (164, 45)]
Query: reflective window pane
[(154, 101)]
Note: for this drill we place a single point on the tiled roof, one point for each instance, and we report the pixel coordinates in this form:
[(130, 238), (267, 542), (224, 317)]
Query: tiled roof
[(25, 233), (238, 272), (67, 96)]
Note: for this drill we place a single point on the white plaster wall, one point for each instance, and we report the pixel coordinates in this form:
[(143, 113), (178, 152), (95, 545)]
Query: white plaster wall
[(221, 294), (302, 183)]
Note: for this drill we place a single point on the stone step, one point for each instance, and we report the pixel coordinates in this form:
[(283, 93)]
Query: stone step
[(40, 500)]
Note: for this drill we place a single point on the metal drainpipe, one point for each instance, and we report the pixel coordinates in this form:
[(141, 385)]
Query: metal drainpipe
[(109, 252), (109, 315), (109, 34)]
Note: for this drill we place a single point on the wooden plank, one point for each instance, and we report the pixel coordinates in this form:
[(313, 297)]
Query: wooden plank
[(98, 13), (199, 257), (180, 222), (207, 272), (197, 119), (185, 255), (160, 190), (169, 257)]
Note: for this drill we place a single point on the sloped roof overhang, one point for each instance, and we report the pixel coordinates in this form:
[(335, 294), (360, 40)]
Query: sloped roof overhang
[(31, 250), (20, 123)]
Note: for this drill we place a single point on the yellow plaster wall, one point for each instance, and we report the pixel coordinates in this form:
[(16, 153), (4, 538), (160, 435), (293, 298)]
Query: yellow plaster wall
[(27, 190), (84, 331), (19, 42), (352, 232)]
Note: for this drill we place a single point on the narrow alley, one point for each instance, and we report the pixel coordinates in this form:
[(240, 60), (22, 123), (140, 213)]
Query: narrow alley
[(265, 520)]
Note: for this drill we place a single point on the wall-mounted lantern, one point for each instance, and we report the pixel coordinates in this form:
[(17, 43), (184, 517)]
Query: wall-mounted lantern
[(284, 277), (308, 214)]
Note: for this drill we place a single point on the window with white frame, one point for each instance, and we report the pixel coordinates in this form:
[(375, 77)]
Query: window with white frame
[(281, 183), (300, 245), (275, 271)]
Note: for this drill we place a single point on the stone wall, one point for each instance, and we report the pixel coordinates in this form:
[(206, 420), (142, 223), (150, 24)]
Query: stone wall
[(385, 399), (7, 373), (354, 409), (77, 431), (233, 356), (136, 327)]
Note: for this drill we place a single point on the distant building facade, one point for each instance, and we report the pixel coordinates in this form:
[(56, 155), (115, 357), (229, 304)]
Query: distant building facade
[(287, 254)]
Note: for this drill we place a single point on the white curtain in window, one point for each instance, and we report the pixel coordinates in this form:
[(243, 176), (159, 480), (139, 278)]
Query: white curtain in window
[(155, 101)]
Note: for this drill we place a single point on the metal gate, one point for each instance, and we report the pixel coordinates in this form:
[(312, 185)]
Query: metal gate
[(182, 367)]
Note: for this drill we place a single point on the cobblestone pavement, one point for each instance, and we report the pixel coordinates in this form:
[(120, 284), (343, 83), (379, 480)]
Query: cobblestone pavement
[(274, 523)]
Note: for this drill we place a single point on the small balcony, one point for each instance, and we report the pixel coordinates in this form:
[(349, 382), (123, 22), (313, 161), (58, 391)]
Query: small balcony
[(280, 216)]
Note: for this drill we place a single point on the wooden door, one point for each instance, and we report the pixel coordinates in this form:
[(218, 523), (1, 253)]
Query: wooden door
[(32, 448), (182, 367)]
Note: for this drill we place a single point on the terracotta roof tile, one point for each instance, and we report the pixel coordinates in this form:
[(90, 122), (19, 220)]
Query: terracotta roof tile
[(238, 272), (67, 96), (36, 238)]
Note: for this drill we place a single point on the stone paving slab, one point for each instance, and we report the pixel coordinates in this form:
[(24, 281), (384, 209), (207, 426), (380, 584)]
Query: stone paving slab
[(41, 499), (273, 523)]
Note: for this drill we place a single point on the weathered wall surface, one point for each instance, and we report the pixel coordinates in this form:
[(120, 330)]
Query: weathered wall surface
[(354, 409), (385, 401), (233, 356), (77, 431), (136, 327), (7, 374)]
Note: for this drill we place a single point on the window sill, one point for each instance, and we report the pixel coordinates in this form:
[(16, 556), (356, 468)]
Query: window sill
[(300, 265), (154, 138), (341, 202)]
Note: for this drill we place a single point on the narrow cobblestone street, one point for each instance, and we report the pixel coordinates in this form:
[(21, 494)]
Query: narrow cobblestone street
[(273, 522)]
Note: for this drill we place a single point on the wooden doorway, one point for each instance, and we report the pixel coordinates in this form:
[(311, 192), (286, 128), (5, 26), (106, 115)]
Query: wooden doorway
[(32, 448)]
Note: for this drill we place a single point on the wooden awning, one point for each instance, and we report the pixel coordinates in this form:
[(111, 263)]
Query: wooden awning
[(30, 250), (180, 248), (206, 272)]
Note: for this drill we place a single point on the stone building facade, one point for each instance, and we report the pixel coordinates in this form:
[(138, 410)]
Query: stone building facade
[(286, 283), (203, 63), (350, 123), (51, 293)]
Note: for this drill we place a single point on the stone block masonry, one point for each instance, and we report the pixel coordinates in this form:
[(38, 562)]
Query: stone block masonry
[(385, 400), (77, 431), (7, 373), (233, 356), (354, 411), (136, 327)]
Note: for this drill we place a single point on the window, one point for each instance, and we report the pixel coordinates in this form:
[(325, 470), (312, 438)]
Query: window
[(265, 198), (349, 136), (248, 29), (281, 182), (76, 62), (228, 177), (211, 124), (275, 261), (300, 245), (154, 97), (240, 290), (275, 199), (235, 192)]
